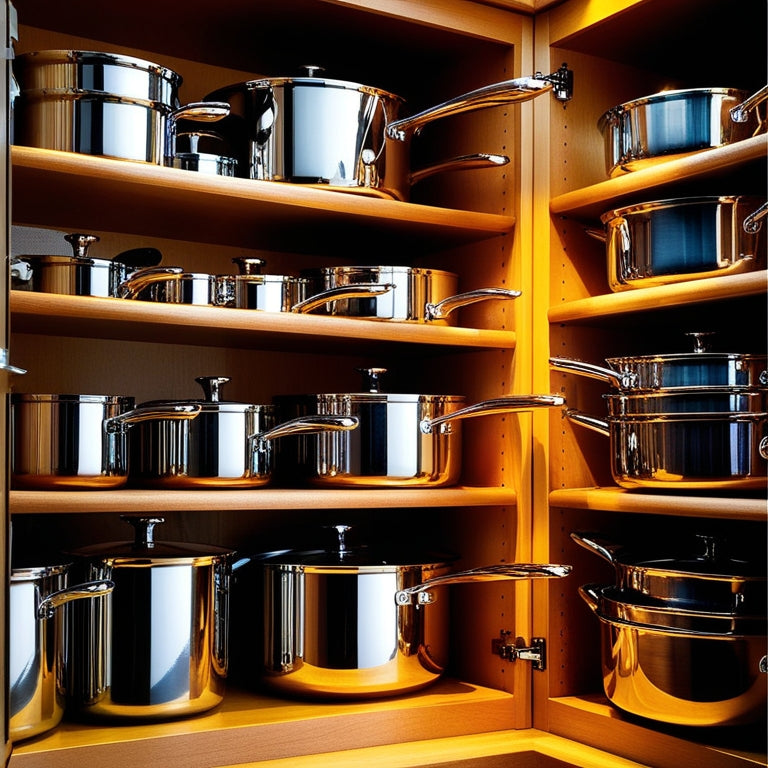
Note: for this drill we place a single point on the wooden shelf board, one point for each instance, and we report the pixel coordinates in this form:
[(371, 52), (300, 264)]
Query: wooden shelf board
[(591, 202), (133, 500), (92, 317), (248, 727), (657, 297), (592, 719), (643, 502), (140, 198)]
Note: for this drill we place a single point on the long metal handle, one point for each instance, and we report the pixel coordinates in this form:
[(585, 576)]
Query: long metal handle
[(494, 95), (305, 425), (566, 365), (49, 604), (590, 422), (474, 161), (740, 113), (754, 221), (6, 366), (599, 546), (137, 415), (509, 404), (355, 291), (499, 572), (140, 279), (447, 305)]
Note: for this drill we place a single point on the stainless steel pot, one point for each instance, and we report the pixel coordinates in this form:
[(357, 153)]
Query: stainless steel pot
[(680, 667), (251, 289), (313, 130), (101, 104), (227, 445), (172, 285), (692, 451), (79, 274), (707, 580), (75, 441), (669, 124), (668, 241), (393, 293), (355, 623), (38, 654), (698, 369), (189, 153), (402, 439), (157, 647)]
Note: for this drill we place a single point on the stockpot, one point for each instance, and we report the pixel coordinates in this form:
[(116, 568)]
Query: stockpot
[(359, 623), (402, 439), (75, 442), (38, 653), (394, 293), (679, 450), (227, 445), (698, 369), (681, 667), (79, 274), (314, 130), (679, 577), (672, 123), (668, 241), (157, 646), (101, 104)]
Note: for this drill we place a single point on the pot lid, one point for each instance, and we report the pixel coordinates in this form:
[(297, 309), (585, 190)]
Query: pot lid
[(212, 402), (144, 545), (23, 397)]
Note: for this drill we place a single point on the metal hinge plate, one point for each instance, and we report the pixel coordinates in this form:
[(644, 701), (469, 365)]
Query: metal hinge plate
[(512, 650)]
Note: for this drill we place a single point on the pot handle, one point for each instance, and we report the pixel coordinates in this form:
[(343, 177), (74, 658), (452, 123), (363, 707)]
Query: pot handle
[(567, 365), (597, 234), (199, 111), (753, 222), (588, 594), (125, 420), (477, 160), (740, 113), (499, 572), (356, 291), (304, 425), (140, 279), (447, 305), (600, 426), (49, 604), (494, 95), (600, 546), (509, 404)]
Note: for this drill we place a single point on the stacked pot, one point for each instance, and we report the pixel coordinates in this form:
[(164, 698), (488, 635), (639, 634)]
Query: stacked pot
[(695, 420), (683, 636)]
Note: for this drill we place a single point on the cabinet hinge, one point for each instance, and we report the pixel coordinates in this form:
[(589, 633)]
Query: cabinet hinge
[(512, 650)]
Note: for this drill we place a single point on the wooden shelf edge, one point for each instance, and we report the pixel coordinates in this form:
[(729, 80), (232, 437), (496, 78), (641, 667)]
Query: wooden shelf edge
[(646, 299), (592, 719), (90, 317), (133, 500), (581, 202), (247, 727), (623, 500)]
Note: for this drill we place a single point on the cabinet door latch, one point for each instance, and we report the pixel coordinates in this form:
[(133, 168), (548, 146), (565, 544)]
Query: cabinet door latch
[(512, 650)]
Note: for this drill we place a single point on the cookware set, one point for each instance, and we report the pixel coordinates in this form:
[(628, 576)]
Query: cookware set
[(696, 420), (683, 635)]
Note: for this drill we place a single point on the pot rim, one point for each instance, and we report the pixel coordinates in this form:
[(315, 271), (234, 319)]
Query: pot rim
[(24, 397), (373, 397), (33, 573), (307, 561), (347, 269), (675, 202)]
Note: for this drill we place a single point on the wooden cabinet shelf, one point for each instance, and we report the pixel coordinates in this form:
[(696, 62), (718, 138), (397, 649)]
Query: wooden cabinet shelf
[(622, 500), (135, 500), (91, 317)]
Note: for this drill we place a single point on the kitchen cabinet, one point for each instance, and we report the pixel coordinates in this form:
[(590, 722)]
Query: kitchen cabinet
[(529, 479)]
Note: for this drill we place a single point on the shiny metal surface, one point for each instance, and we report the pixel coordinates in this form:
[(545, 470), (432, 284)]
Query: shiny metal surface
[(668, 241), (171, 285), (59, 441), (680, 677), (704, 400), (156, 647), (685, 451), (672, 123), (391, 293)]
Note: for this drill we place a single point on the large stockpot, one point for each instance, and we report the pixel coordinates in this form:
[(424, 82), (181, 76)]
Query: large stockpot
[(76, 442), (691, 451), (680, 667), (314, 130), (402, 439), (157, 646), (227, 445), (38, 653), (79, 274), (707, 580), (672, 123), (395, 293), (101, 104), (355, 623), (668, 241)]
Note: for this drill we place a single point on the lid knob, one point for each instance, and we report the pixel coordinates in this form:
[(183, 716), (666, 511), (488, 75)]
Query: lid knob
[(81, 243), (212, 387), (144, 530), (700, 340), (371, 379), (249, 265)]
